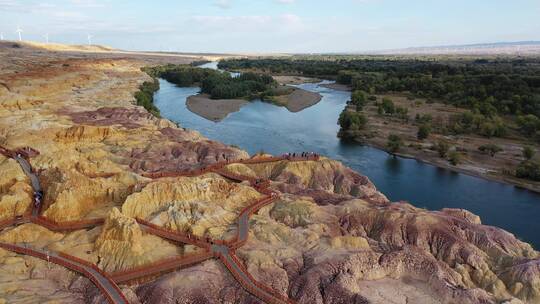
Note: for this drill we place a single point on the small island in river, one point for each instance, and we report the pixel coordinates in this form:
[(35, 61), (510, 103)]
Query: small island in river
[(213, 109), (216, 110), (297, 100), (222, 93)]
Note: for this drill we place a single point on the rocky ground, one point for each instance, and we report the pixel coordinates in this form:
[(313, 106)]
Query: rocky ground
[(331, 237)]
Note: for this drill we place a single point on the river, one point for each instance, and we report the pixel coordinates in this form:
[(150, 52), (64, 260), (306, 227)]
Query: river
[(260, 126)]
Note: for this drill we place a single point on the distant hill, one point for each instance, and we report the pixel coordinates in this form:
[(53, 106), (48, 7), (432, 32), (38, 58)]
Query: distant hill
[(56, 46), (504, 48), (67, 47)]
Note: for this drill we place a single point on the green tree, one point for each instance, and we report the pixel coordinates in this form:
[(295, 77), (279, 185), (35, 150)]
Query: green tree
[(145, 96), (359, 97), (529, 170), (352, 120), (528, 124), (528, 152), (387, 107), (455, 158), (487, 129), (423, 118), (394, 143), (442, 148), (490, 149), (401, 113), (423, 131), (346, 77)]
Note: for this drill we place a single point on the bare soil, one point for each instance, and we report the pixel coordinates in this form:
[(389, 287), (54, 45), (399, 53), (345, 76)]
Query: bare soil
[(285, 79), (298, 100), (213, 109)]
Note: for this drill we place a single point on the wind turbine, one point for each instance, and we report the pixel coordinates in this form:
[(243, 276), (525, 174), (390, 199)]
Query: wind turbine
[(19, 30), (89, 39), (46, 36)]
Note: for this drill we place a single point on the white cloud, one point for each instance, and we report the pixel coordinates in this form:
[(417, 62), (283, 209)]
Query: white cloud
[(285, 1), (249, 23), (87, 3), (32, 6), (365, 1), (292, 22), (224, 4), (230, 23)]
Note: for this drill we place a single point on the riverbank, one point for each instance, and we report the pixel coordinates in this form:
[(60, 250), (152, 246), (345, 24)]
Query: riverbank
[(473, 161), (213, 109), (337, 86), (294, 80), (443, 164)]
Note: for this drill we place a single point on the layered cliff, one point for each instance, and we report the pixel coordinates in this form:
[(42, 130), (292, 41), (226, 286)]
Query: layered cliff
[(330, 237)]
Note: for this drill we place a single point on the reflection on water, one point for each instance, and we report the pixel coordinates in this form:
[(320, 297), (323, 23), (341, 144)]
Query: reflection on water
[(262, 126), (393, 164)]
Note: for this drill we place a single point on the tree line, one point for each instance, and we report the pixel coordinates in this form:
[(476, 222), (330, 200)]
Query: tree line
[(217, 84)]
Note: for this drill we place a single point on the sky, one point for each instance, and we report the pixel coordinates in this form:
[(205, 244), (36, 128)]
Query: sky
[(269, 26)]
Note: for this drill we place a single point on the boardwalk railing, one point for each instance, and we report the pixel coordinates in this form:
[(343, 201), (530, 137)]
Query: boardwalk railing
[(74, 264), (66, 226), (251, 285), (159, 267), (220, 165)]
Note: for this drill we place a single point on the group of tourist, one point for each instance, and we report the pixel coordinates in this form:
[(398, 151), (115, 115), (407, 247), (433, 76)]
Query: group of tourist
[(306, 155)]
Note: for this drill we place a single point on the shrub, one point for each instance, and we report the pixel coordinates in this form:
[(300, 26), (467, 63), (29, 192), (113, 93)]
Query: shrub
[(352, 121), (455, 158), (528, 124), (346, 77), (387, 107), (394, 143), (442, 148), (401, 113), (528, 152), (490, 149), (529, 170), (423, 118), (359, 98), (145, 96), (423, 131)]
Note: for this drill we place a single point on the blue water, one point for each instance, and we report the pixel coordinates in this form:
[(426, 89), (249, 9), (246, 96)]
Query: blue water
[(260, 126)]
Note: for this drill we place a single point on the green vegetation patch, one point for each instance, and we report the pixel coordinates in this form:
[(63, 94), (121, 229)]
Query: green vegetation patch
[(145, 96), (217, 84)]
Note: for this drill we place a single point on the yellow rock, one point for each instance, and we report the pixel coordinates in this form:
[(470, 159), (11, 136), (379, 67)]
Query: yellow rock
[(202, 205), (30, 233), (122, 245), (349, 242)]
